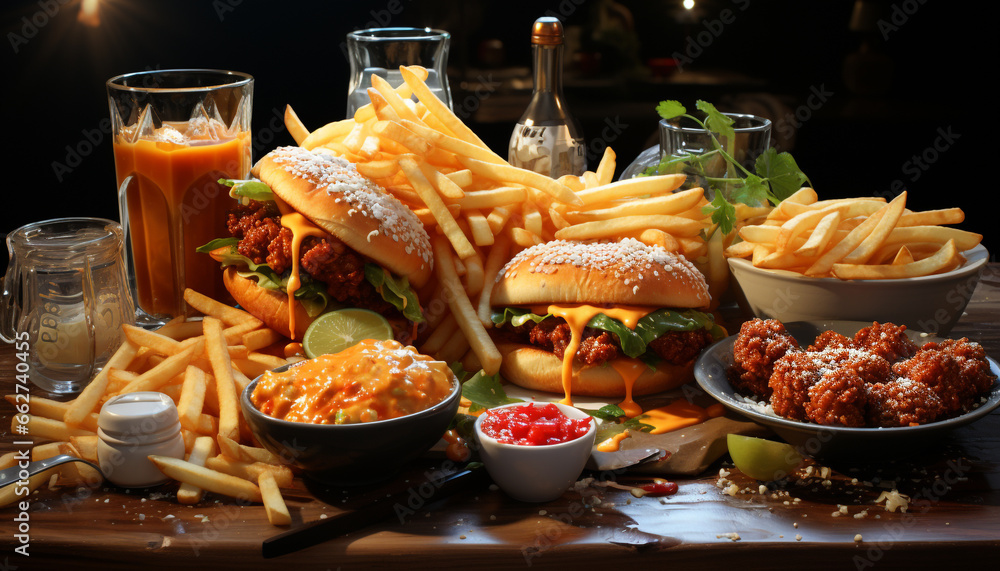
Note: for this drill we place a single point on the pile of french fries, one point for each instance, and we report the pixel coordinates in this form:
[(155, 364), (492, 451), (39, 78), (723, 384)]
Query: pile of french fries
[(202, 364), (855, 238), (480, 210)]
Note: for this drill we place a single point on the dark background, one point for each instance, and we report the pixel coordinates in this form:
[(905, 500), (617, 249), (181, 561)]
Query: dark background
[(906, 104)]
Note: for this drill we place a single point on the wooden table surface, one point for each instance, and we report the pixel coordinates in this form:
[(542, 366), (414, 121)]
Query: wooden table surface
[(954, 515)]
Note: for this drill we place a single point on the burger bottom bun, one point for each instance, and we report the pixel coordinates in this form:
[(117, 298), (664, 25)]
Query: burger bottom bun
[(269, 306), (532, 368)]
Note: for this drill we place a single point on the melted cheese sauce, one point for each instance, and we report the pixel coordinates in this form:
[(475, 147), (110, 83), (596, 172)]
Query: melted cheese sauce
[(373, 380), (577, 316), (300, 227), (612, 444)]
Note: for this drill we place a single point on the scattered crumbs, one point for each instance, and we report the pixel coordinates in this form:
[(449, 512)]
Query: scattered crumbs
[(796, 524), (322, 516), (861, 514), (168, 516), (106, 500), (798, 537), (893, 500), (732, 536), (542, 512), (732, 490), (762, 489), (143, 500), (462, 536), (142, 517), (493, 518), (857, 538)]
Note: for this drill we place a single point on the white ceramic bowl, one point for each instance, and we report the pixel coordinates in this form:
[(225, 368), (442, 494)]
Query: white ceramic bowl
[(932, 304), (536, 473)]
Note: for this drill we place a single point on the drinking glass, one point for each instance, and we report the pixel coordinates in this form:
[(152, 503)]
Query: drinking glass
[(65, 299), (682, 137), (382, 50), (176, 134)]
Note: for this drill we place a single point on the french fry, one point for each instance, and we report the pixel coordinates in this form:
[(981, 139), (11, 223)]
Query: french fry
[(507, 173), (880, 232), (87, 401), (207, 479), (680, 227), (274, 504), (250, 471), (202, 449), (606, 168), (640, 186), (441, 213), (214, 308), (225, 382), (294, 126), (43, 428), (465, 314), (327, 133), (86, 445), (437, 108), (192, 399), (946, 257), (162, 373), (664, 204)]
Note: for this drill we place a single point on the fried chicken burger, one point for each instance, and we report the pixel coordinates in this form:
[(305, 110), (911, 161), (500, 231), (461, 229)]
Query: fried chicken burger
[(311, 234), (607, 319)]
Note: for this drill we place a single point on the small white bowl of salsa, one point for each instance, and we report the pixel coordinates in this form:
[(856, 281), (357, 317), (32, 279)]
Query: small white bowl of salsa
[(535, 451)]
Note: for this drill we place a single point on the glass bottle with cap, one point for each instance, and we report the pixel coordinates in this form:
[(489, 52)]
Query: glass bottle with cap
[(547, 138)]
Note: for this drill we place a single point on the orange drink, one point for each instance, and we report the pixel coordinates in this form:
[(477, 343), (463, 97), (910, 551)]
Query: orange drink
[(176, 134)]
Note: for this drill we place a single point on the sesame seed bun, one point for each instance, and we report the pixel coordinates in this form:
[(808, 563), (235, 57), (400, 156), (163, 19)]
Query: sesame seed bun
[(621, 273), (331, 193)]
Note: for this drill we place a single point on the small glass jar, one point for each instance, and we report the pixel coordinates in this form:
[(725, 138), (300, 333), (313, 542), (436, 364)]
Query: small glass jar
[(132, 427)]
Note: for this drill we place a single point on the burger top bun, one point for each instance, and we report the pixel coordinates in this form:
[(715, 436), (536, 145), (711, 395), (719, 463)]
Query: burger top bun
[(331, 193), (621, 273)]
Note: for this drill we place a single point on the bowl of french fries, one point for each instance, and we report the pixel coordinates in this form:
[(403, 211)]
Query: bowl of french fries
[(863, 259)]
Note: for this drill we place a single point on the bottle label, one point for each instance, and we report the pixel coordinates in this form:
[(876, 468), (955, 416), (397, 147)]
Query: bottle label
[(547, 149)]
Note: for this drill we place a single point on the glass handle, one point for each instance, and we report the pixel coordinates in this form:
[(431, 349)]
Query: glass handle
[(9, 304)]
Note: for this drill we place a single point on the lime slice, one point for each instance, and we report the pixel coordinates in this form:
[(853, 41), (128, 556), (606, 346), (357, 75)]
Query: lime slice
[(762, 459), (337, 330)]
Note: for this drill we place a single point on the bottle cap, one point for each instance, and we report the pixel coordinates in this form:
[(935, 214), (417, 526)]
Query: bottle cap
[(547, 31), (138, 416)]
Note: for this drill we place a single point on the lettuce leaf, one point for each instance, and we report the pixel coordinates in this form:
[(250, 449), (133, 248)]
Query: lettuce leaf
[(634, 343), (252, 189), (396, 291)]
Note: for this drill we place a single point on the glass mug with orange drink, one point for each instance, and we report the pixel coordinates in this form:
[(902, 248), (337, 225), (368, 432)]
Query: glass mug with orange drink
[(176, 134)]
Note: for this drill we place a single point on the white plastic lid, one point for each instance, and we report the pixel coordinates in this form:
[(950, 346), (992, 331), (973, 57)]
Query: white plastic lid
[(138, 416)]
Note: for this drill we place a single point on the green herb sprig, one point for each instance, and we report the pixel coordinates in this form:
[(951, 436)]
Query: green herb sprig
[(776, 175)]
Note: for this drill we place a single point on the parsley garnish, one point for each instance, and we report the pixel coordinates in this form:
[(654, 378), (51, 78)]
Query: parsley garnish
[(776, 176)]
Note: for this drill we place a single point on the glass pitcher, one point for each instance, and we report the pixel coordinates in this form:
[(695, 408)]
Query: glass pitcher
[(65, 299), (381, 51)]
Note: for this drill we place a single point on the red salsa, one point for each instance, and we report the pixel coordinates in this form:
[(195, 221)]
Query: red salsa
[(533, 425)]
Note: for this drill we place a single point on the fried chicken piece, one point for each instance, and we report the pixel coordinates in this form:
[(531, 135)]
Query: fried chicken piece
[(797, 371), (839, 398), (760, 343), (832, 339), (902, 402), (971, 358), (942, 373), (888, 340)]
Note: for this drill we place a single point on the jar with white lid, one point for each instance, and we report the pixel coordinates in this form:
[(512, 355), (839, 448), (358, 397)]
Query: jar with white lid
[(132, 427)]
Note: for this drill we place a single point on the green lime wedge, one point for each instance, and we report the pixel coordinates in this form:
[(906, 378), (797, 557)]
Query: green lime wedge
[(762, 459), (337, 330)]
